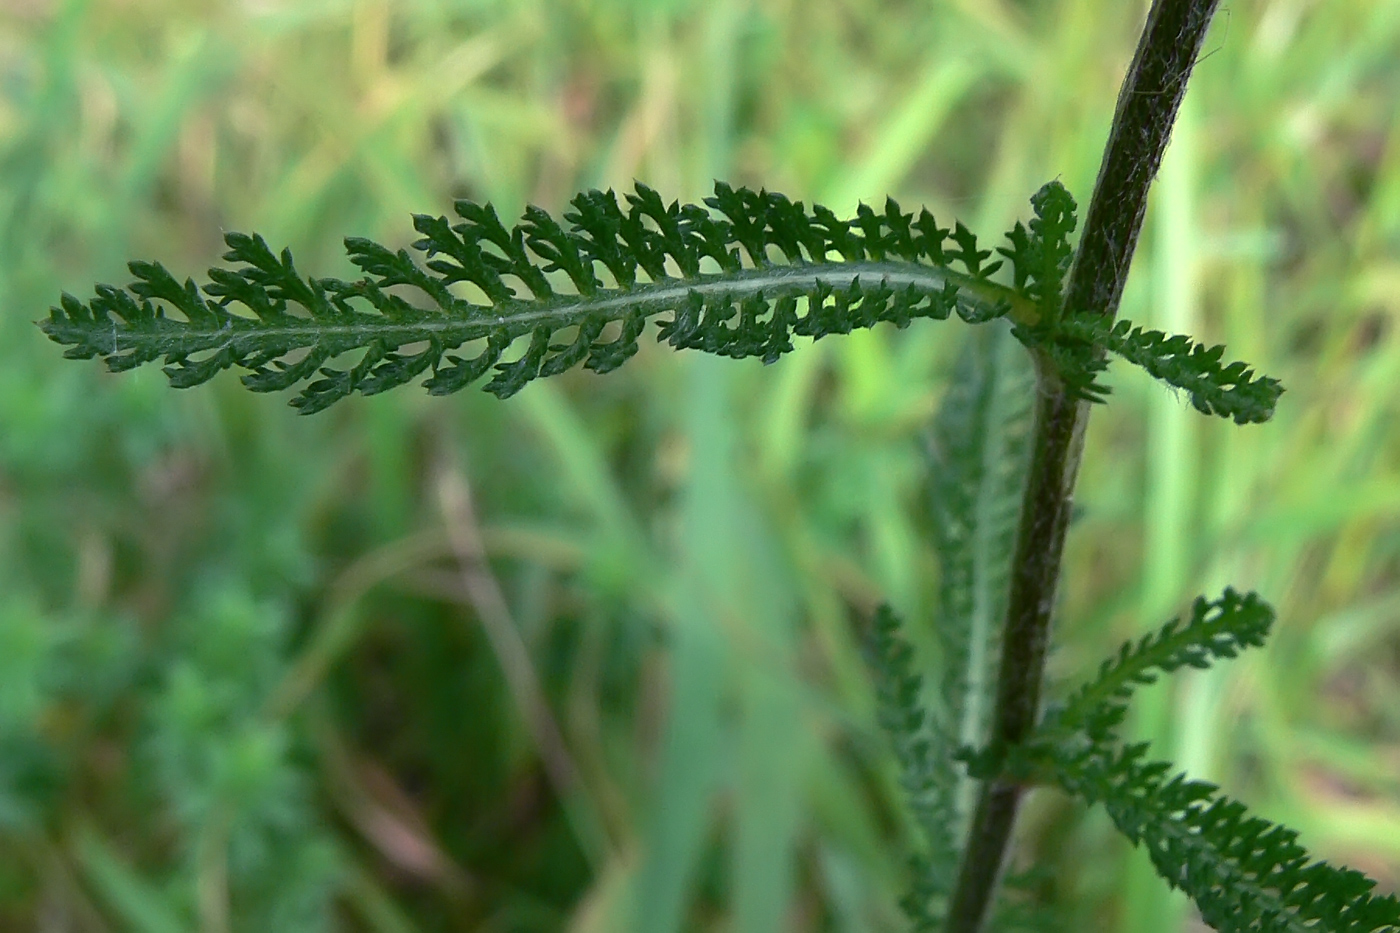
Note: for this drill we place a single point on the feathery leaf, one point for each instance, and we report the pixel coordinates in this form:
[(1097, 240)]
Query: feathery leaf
[(740, 280), (978, 453), (1245, 874), (927, 774), (1215, 629), (1041, 257), (1228, 389), (739, 276)]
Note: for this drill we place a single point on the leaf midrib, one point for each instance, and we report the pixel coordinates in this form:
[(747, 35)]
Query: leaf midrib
[(564, 310)]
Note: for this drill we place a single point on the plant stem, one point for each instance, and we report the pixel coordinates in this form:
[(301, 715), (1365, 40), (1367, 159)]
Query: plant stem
[(1142, 122)]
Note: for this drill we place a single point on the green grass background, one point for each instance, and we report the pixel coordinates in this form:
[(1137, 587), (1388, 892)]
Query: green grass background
[(590, 659)]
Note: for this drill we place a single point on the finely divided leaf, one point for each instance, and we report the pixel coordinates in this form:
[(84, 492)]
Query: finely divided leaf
[(927, 773), (1215, 629), (1245, 874), (739, 277), (978, 452), (1041, 257), (1228, 389)]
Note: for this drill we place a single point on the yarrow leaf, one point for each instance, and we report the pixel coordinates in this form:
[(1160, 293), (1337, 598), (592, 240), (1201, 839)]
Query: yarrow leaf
[(1244, 873), (1228, 389), (924, 747), (1074, 340), (978, 452), (739, 276), (1041, 257), (1217, 628), (739, 279)]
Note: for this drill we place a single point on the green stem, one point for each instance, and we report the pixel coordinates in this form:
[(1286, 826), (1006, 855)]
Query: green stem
[(1147, 107)]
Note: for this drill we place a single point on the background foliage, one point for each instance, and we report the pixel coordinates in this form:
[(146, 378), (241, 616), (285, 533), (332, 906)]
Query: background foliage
[(592, 657)]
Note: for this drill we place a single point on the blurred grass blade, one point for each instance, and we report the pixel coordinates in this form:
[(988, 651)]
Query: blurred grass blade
[(681, 817), (141, 907), (1171, 459), (773, 760), (700, 657), (374, 905), (910, 129)]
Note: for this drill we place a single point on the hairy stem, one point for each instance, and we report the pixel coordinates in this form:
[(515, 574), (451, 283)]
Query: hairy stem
[(1147, 107), (1142, 124)]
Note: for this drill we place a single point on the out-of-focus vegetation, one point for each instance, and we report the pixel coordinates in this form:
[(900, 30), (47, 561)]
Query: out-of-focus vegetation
[(591, 659)]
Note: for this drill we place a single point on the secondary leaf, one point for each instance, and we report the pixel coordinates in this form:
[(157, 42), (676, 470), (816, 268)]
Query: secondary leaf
[(1245, 874), (978, 452), (1216, 388), (924, 749), (1215, 629)]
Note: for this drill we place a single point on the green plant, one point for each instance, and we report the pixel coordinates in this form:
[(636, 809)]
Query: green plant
[(733, 283)]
